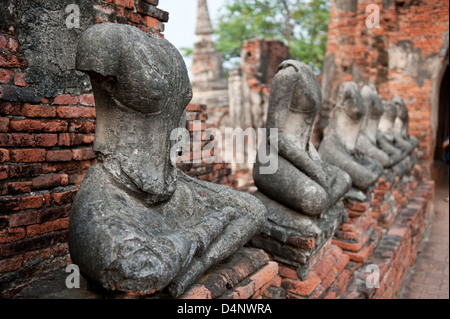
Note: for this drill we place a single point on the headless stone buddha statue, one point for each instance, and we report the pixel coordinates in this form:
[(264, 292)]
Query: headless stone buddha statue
[(304, 196), (339, 144), (385, 135), (391, 142), (367, 142), (401, 127), (303, 182), (138, 224)]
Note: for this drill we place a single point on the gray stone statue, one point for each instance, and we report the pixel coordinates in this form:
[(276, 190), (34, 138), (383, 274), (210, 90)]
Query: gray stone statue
[(304, 196), (367, 142), (385, 135), (339, 144), (303, 182), (391, 141), (139, 224), (401, 127)]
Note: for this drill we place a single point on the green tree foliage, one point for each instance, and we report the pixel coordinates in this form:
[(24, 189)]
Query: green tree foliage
[(300, 24)]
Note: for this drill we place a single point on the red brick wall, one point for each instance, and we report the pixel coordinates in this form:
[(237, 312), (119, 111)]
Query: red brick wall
[(217, 172), (404, 56)]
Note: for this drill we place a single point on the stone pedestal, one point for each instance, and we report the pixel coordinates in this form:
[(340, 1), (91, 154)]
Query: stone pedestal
[(294, 239), (330, 274)]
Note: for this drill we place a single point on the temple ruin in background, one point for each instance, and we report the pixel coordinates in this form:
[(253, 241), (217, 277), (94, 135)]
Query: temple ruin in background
[(209, 84)]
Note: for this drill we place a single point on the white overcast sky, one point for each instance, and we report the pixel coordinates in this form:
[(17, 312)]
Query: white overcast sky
[(180, 30)]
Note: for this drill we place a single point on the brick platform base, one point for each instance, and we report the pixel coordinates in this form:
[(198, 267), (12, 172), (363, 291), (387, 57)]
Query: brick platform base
[(347, 266)]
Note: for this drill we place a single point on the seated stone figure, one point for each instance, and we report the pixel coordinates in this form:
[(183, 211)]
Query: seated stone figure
[(387, 140), (385, 135), (367, 142), (401, 127), (139, 224), (339, 144), (304, 196), (303, 182)]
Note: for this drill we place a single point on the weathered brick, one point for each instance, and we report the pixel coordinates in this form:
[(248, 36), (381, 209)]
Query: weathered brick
[(264, 275), (60, 250), (10, 264), (77, 178), (47, 227), (49, 181), (23, 219), (302, 288), (64, 197), (11, 234), (46, 140), (28, 140), (20, 79), (38, 111), (87, 100), (14, 188), (124, 3), (133, 17), (10, 108), (52, 213), (150, 10), (13, 45), (30, 126), (18, 203), (32, 257), (153, 23), (4, 155), (4, 123), (12, 61), (75, 112), (27, 155), (59, 156), (82, 126), (4, 221), (74, 139), (5, 76), (3, 42), (287, 272), (199, 292), (65, 99), (4, 172), (357, 207), (325, 266), (24, 170)]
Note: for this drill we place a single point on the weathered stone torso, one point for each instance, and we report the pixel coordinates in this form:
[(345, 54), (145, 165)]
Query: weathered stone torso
[(139, 224)]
